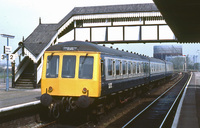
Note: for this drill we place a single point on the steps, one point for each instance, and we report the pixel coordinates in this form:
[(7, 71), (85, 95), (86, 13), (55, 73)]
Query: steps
[(26, 80)]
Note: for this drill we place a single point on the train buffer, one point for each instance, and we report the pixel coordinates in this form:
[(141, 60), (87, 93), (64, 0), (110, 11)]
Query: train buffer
[(188, 113), (17, 98)]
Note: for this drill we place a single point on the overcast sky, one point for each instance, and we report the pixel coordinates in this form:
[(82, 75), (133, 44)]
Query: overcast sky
[(21, 17)]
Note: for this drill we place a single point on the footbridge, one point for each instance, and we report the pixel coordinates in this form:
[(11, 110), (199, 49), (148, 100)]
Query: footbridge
[(100, 24)]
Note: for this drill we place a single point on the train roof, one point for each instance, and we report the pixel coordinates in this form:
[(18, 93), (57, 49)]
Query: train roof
[(87, 46), (156, 60)]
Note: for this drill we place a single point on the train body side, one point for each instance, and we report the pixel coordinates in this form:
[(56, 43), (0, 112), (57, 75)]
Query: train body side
[(121, 73)]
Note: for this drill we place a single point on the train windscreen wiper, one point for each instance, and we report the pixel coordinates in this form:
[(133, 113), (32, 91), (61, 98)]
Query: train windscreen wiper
[(51, 56), (84, 59)]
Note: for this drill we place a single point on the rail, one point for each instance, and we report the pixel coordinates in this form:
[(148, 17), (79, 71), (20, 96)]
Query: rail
[(136, 119)]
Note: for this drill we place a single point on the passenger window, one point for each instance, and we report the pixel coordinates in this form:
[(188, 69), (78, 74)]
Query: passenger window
[(68, 67), (110, 67), (117, 63), (141, 68), (138, 68), (86, 67), (52, 66), (129, 67), (134, 68), (124, 67)]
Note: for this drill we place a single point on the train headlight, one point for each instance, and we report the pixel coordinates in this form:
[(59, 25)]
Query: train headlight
[(50, 89), (84, 91)]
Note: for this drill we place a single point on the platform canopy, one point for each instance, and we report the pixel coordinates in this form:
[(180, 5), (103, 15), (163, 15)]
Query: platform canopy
[(183, 17)]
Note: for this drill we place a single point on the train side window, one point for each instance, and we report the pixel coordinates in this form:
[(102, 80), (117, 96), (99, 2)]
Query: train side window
[(145, 68), (129, 67), (86, 67), (134, 68), (68, 67), (141, 68), (52, 66), (138, 67), (121, 68), (124, 67), (117, 64)]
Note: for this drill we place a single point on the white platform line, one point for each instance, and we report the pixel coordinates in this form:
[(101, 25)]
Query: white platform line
[(176, 119), (19, 106)]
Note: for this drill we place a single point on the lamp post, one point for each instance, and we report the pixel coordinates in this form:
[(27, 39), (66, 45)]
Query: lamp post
[(7, 78)]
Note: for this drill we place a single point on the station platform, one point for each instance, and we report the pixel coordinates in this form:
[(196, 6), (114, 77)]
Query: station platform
[(188, 111), (14, 98)]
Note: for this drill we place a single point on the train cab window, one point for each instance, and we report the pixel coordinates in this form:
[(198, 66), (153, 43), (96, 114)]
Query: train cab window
[(86, 67), (52, 66), (68, 67)]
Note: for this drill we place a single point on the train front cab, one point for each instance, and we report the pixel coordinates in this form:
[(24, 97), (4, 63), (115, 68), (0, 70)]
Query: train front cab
[(71, 74)]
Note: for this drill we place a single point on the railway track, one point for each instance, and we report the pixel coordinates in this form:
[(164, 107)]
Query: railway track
[(102, 119), (53, 123), (157, 113)]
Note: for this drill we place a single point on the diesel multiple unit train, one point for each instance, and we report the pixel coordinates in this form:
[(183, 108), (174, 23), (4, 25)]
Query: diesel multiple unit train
[(85, 75)]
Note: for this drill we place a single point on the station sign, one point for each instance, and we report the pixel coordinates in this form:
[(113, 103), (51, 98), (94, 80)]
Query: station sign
[(7, 49), (3, 56), (11, 57)]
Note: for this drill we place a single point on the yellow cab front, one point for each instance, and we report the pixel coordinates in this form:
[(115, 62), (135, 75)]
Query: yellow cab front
[(71, 74)]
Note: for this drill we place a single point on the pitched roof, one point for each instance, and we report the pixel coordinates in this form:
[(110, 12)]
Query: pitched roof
[(43, 34), (40, 37), (109, 9)]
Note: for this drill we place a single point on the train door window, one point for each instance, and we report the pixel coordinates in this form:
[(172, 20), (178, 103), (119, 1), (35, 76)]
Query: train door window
[(113, 68), (117, 63), (102, 68), (86, 67), (68, 67), (52, 66)]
